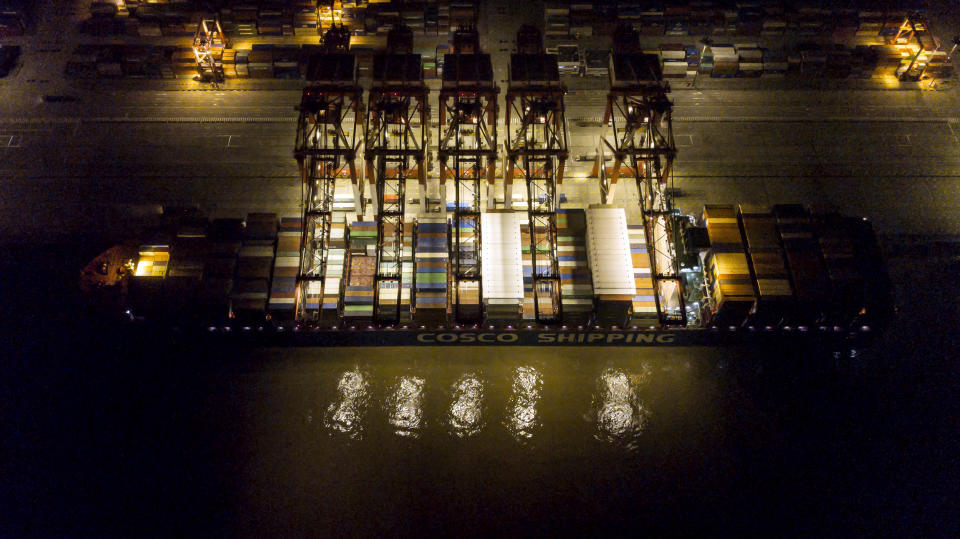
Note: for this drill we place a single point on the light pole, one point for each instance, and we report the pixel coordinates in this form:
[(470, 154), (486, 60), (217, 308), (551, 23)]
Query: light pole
[(706, 41), (956, 42)]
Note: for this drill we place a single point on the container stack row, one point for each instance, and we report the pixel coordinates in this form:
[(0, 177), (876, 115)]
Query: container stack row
[(726, 269), (145, 291), (556, 18), (393, 297), (407, 275), (286, 267), (254, 266), (246, 19), (361, 270), (767, 266), (747, 60), (220, 266), (148, 61), (153, 261), (185, 271), (467, 292), (836, 239), (576, 286), (644, 311), (529, 294), (787, 267), (808, 61), (330, 303), (431, 266), (805, 20), (608, 248), (504, 268), (802, 255)]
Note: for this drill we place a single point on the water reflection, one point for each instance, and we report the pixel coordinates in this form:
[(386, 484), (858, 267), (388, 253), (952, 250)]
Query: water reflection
[(522, 419), (466, 415), (621, 415), (404, 407), (345, 415)]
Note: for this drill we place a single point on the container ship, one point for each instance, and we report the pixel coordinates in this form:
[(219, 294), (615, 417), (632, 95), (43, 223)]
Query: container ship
[(383, 253), (747, 273)]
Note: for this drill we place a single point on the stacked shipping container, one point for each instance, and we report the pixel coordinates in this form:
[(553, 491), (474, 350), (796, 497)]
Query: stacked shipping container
[(608, 248), (361, 266), (836, 239), (767, 266), (503, 270), (529, 307), (220, 266), (576, 285), (726, 269), (466, 293), (254, 266), (431, 267), (644, 303), (286, 266), (807, 273)]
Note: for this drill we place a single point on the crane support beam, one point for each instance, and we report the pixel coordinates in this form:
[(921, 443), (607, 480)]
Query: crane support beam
[(639, 137), (467, 152), (326, 146), (537, 149), (208, 45), (394, 153), (325, 149)]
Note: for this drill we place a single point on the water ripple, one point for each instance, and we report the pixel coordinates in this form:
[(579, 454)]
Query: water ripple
[(522, 419), (345, 415), (404, 407), (466, 413), (621, 416)]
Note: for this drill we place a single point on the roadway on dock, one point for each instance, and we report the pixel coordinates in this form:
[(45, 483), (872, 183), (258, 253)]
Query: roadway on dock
[(891, 155)]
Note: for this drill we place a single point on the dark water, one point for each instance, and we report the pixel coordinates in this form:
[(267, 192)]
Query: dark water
[(110, 434)]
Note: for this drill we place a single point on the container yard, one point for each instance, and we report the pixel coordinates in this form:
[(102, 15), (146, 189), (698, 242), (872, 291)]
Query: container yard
[(460, 257), (805, 40)]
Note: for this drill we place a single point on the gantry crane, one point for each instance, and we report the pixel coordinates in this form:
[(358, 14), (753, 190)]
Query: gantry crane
[(467, 151), (326, 150), (914, 28), (208, 45), (536, 147), (639, 135), (394, 151)]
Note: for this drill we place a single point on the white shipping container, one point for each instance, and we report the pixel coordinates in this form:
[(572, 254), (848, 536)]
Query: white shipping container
[(286, 262), (673, 54), (501, 256), (256, 251), (608, 250)]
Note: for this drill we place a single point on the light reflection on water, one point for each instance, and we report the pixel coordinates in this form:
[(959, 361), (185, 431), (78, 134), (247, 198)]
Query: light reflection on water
[(466, 414), (404, 407), (345, 415), (621, 415), (521, 418)]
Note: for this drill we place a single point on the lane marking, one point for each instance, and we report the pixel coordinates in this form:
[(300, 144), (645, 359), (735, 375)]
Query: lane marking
[(593, 119), (787, 119), (149, 119), (953, 132)]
